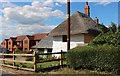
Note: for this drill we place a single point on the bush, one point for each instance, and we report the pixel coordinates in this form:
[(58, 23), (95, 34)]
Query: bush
[(18, 51), (101, 58), (111, 38)]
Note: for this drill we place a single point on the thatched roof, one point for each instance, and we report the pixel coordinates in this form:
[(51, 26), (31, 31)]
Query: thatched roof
[(79, 23), (46, 42)]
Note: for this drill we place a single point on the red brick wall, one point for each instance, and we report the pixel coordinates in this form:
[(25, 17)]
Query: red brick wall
[(88, 37), (26, 44), (4, 44), (10, 45)]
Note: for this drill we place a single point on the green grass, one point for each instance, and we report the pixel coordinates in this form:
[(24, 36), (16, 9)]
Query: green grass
[(39, 65), (20, 64), (48, 64), (59, 71)]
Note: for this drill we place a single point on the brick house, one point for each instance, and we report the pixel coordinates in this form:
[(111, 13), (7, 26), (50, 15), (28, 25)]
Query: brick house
[(4, 44), (28, 42), (11, 43), (19, 42), (22, 42)]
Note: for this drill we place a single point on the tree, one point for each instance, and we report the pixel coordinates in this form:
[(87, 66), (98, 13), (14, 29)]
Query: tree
[(119, 27), (103, 28), (113, 27), (111, 38)]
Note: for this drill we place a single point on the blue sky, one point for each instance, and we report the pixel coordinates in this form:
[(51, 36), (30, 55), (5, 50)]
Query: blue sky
[(106, 13), (21, 18)]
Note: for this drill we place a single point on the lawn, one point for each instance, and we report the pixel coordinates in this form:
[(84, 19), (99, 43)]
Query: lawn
[(39, 65)]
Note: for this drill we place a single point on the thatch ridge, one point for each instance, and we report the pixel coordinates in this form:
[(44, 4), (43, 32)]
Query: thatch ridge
[(79, 23)]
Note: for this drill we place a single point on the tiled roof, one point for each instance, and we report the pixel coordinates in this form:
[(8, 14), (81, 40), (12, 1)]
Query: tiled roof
[(46, 42), (20, 38), (13, 38), (39, 36), (6, 39), (30, 37)]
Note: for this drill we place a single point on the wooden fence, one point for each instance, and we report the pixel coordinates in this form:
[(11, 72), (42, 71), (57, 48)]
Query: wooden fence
[(34, 62)]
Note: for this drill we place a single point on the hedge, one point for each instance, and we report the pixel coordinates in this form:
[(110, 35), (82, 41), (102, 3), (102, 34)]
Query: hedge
[(100, 58)]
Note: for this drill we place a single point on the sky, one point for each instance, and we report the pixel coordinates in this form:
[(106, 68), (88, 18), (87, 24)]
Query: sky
[(27, 18)]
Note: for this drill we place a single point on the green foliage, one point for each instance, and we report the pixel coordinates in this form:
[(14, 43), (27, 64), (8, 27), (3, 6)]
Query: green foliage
[(100, 58), (113, 27), (18, 51), (107, 38), (119, 27), (111, 36), (103, 28)]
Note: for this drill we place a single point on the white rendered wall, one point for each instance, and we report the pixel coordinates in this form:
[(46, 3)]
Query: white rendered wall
[(58, 45)]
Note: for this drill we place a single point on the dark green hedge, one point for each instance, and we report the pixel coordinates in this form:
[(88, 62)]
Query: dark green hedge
[(101, 58)]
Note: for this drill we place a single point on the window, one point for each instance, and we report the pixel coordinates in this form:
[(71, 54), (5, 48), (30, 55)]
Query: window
[(9, 42), (18, 43), (49, 50), (25, 48), (25, 41), (64, 38)]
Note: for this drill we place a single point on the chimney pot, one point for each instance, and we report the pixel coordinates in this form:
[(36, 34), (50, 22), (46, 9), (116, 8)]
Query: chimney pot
[(86, 3), (96, 20), (87, 9)]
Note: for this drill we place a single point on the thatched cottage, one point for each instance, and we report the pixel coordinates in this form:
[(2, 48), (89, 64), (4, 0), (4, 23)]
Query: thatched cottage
[(82, 30)]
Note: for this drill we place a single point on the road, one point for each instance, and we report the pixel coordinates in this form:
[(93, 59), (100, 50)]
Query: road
[(4, 72)]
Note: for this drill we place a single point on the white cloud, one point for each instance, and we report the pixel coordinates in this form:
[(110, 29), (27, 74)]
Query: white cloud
[(28, 19), (36, 13), (26, 29), (8, 4), (13, 30), (58, 0), (102, 3)]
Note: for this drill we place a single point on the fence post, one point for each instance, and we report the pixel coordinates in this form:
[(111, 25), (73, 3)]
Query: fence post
[(13, 59), (34, 58), (61, 59), (4, 58)]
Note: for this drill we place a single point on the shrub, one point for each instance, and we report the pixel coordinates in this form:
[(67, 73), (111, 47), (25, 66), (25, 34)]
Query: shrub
[(111, 38), (101, 58), (18, 51)]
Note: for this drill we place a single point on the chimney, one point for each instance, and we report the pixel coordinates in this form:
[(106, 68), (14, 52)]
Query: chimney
[(96, 20), (87, 9)]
